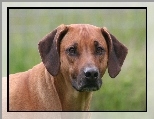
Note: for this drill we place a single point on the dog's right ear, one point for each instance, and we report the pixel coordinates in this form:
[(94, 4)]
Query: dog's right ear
[(49, 48)]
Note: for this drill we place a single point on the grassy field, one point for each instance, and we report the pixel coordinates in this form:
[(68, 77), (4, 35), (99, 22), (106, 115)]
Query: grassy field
[(127, 92)]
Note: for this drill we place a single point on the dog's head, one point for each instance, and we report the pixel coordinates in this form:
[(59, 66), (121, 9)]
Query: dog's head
[(82, 52)]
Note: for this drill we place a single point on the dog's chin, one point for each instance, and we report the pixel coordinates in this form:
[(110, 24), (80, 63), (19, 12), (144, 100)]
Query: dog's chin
[(87, 87)]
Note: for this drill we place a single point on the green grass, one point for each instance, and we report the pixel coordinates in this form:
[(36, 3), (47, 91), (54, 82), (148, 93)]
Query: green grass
[(127, 92)]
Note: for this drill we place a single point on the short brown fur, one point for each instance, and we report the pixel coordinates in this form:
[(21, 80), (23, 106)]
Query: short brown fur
[(57, 83)]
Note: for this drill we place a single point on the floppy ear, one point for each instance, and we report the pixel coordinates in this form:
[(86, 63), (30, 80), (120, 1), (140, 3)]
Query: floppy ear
[(49, 48), (117, 53)]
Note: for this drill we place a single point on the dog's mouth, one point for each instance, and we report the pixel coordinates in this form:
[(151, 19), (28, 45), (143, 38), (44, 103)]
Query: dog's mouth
[(86, 86)]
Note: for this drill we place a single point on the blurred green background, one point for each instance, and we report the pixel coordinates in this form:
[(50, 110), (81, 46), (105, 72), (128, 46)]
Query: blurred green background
[(126, 92)]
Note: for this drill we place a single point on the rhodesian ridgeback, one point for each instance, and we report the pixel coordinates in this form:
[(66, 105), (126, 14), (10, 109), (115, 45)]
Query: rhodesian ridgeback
[(74, 59)]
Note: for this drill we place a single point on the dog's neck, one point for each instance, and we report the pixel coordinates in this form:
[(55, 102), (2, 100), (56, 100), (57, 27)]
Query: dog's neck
[(71, 100)]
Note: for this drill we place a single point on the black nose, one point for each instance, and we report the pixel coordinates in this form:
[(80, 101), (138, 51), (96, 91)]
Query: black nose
[(91, 72)]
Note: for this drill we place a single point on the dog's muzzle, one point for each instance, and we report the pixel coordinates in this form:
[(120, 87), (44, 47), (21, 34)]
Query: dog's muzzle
[(88, 80)]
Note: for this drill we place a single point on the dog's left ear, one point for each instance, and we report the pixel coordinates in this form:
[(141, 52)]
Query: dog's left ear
[(117, 53), (49, 48)]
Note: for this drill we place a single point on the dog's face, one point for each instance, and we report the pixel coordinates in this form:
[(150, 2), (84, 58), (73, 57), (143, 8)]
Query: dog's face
[(84, 55), (81, 53)]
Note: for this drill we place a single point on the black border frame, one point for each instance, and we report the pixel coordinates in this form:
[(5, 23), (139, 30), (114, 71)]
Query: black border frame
[(8, 8)]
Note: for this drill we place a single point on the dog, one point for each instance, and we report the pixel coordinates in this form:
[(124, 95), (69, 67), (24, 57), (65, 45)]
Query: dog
[(74, 59)]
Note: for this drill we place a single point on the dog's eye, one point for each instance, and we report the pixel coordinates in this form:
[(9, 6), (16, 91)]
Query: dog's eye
[(99, 50), (72, 51)]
